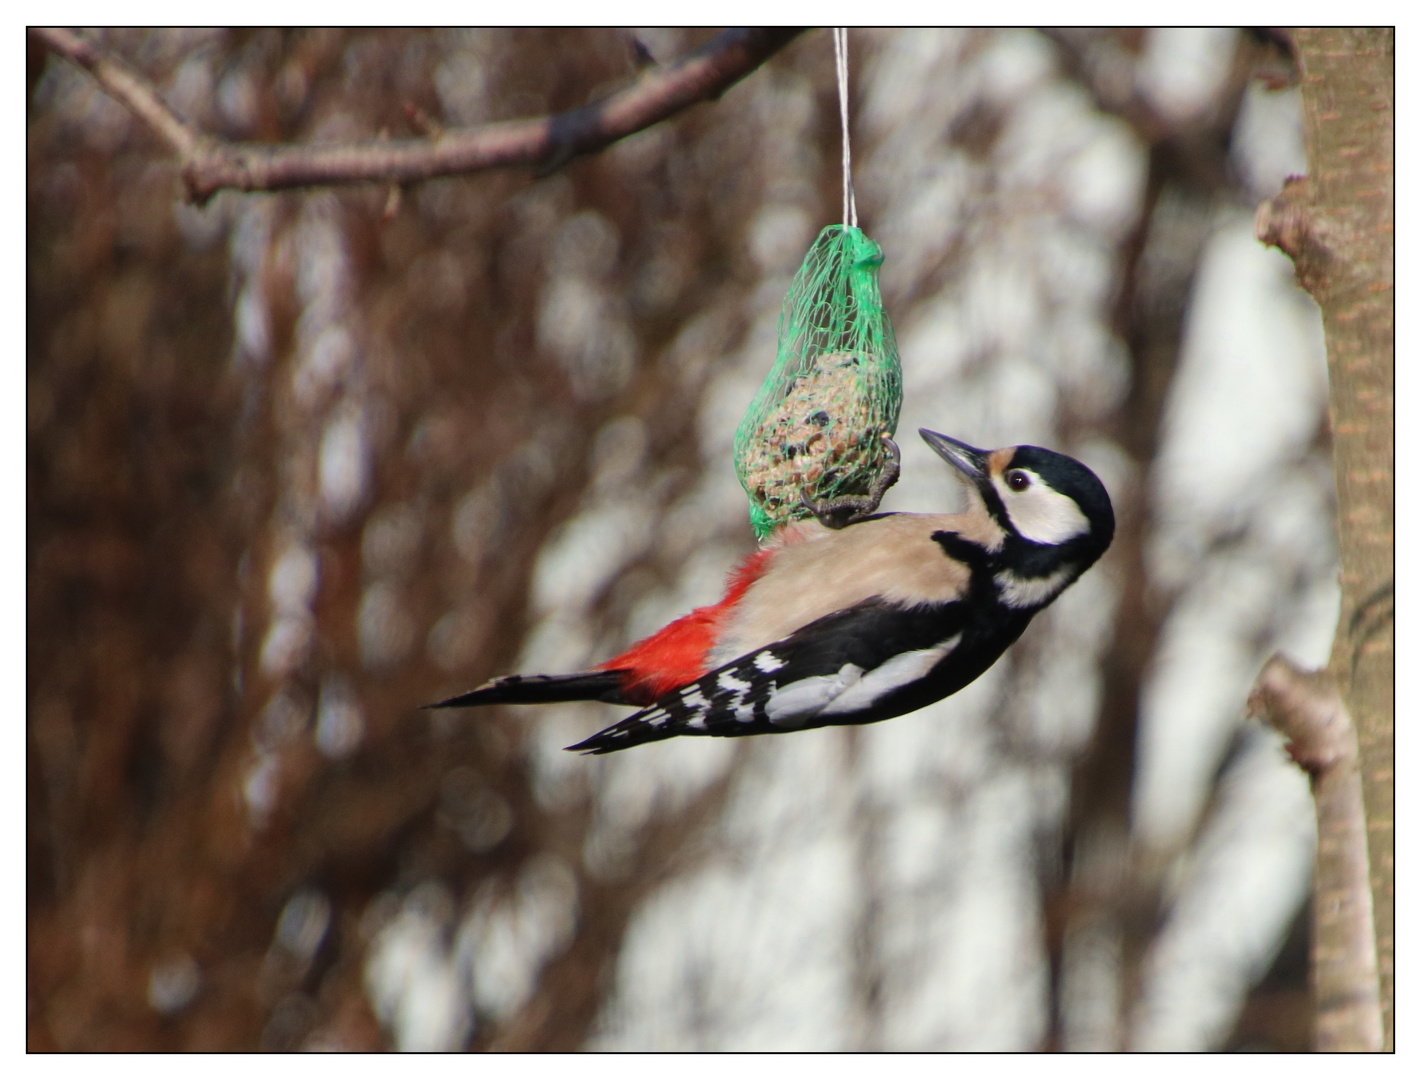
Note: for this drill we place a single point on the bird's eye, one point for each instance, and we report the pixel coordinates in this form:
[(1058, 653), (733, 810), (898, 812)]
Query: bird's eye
[(1018, 480)]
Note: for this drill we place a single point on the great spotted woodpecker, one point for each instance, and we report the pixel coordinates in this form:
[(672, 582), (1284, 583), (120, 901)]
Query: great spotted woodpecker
[(850, 624)]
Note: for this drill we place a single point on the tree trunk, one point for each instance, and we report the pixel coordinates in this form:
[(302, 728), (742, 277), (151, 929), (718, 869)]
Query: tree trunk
[(1337, 226)]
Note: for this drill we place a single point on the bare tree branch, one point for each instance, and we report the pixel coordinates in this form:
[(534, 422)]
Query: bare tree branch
[(1307, 709), (126, 85), (210, 165)]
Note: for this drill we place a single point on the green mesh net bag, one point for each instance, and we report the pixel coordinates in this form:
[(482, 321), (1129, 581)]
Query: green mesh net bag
[(815, 428)]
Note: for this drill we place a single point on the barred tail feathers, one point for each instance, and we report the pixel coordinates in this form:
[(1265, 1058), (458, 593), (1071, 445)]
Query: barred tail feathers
[(633, 731)]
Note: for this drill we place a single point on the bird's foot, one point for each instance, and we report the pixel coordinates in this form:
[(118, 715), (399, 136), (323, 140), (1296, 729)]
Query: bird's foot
[(845, 510)]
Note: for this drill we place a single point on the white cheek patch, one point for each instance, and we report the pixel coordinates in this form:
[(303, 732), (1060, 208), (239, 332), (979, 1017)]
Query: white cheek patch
[(1020, 592), (1040, 514), (903, 669)]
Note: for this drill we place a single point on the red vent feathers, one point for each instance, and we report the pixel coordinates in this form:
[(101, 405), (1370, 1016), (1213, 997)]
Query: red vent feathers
[(677, 653)]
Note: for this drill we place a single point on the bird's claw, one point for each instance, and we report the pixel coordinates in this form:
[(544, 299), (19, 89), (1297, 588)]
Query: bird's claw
[(844, 510)]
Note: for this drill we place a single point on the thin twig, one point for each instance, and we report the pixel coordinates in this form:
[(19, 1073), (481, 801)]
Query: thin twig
[(1307, 709), (210, 165), (125, 85)]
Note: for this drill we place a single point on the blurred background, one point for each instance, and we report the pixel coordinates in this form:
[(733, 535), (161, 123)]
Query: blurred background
[(300, 463)]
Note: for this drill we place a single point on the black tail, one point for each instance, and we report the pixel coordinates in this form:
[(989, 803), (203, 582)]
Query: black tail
[(542, 689)]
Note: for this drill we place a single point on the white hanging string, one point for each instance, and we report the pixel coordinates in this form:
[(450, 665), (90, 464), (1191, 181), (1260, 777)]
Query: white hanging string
[(841, 65)]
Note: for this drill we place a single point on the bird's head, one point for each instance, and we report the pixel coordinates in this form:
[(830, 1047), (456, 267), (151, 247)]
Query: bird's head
[(1046, 499)]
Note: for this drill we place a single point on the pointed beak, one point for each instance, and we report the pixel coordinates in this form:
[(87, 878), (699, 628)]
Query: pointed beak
[(968, 460)]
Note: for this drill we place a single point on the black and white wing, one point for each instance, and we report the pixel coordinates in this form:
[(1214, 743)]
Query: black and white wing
[(864, 663)]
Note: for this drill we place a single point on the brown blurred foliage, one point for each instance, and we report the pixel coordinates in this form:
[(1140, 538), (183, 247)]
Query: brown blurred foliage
[(166, 463), (290, 460)]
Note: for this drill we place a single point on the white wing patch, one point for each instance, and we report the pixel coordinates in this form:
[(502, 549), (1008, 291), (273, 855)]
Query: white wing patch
[(768, 662), (794, 704), (1020, 592), (890, 675), (851, 690), (736, 686)]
